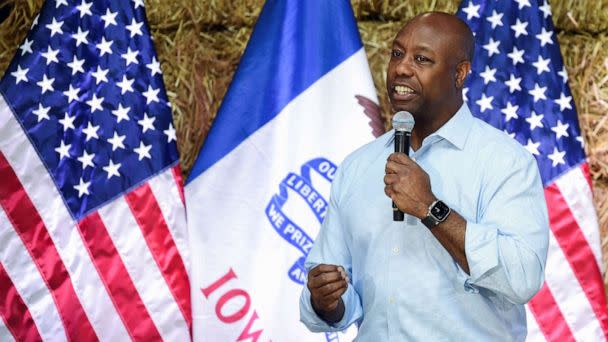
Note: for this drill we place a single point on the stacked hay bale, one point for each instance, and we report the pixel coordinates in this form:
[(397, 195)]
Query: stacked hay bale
[(199, 43)]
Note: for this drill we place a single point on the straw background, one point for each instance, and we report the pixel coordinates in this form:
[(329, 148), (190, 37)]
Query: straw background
[(199, 43)]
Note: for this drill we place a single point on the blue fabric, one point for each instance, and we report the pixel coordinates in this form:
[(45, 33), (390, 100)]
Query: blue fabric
[(293, 44), (404, 286)]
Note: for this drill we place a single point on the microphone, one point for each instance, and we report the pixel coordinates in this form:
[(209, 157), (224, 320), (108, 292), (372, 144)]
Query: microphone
[(403, 123)]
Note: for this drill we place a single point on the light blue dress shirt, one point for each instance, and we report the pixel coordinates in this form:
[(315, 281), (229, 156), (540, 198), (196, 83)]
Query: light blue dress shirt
[(404, 285)]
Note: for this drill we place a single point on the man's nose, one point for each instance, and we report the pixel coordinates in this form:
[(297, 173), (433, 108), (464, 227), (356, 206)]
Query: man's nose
[(404, 68)]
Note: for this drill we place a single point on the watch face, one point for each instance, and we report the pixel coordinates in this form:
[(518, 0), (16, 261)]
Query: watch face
[(440, 210)]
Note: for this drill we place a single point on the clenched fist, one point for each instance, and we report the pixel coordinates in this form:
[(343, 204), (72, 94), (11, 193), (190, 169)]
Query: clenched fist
[(327, 283)]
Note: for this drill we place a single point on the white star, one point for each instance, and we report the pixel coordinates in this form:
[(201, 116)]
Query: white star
[(95, 103), (20, 74), (26, 46), (532, 147), (170, 133), (109, 18), (130, 56), (50, 55), (84, 8), (91, 131), (488, 75), (121, 113), (546, 9), (495, 19), (511, 135), (143, 151), (135, 28), (464, 94), (471, 10), (154, 67), (138, 3), (112, 169), (520, 28), (516, 55), (535, 120), (492, 47), (86, 159), (125, 85), (563, 74), (55, 27), (146, 123), (117, 141), (564, 101), (557, 157), (61, 2), (580, 140), (72, 93), (76, 65), (538, 92), (42, 112), (545, 37), (523, 3), (542, 65), (561, 129), (104, 47), (63, 150), (100, 75), (67, 121), (35, 22), (82, 187), (151, 95), (510, 111), (81, 37), (46, 84), (485, 102)]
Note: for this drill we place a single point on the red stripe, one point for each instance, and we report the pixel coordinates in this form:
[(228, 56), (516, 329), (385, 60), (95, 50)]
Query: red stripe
[(32, 231), (179, 181), (550, 319), (14, 312), (587, 174), (117, 280), (578, 252), (158, 238)]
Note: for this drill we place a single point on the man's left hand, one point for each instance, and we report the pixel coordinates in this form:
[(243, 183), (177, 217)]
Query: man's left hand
[(408, 185)]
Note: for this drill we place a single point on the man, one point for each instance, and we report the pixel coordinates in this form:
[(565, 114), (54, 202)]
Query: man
[(473, 247)]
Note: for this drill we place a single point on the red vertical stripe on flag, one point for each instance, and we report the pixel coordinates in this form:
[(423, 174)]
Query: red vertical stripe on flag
[(158, 238), (587, 174), (117, 280), (179, 180), (550, 319), (14, 312), (577, 252), (32, 231)]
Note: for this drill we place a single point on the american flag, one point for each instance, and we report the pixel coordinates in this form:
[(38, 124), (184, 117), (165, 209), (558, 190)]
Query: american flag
[(93, 239), (519, 84)]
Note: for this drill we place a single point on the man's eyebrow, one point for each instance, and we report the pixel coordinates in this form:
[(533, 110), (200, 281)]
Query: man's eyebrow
[(420, 47)]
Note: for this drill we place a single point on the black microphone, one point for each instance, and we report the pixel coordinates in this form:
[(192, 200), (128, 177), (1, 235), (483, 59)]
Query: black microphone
[(403, 123)]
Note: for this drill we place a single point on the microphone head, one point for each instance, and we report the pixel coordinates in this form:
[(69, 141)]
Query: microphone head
[(403, 121)]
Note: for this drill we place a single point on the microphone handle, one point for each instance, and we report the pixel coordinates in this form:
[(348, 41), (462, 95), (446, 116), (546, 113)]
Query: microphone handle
[(402, 144)]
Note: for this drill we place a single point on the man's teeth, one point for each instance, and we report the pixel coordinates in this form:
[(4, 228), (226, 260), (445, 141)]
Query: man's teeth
[(402, 90)]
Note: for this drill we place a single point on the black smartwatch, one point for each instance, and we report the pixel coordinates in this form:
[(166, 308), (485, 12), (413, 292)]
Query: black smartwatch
[(438, 212)]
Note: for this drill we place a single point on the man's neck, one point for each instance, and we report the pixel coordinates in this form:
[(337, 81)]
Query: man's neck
[(429, 124)]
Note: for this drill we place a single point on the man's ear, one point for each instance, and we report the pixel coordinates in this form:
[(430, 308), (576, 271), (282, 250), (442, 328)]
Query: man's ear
[(462, 70)]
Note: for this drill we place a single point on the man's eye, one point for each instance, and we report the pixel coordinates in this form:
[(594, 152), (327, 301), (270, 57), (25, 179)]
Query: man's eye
[(421, 59), (397, 53)]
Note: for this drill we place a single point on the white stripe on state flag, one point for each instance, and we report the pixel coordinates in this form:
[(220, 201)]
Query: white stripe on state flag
[(139, 263), (43, 193), (26, 278), (5, 334), (534, 333), (576, 191), (569, 295), (165, 189)]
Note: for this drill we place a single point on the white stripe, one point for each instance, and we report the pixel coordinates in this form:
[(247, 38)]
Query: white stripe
[(29, 283), (569, 296), (576, 191), (147, 278), (534, 332), (61, 227), (5, 334), (166, 192)]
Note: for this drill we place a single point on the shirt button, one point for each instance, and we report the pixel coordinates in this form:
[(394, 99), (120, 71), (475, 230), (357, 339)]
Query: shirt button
[(396, 250), (391, 300), (414, 159)]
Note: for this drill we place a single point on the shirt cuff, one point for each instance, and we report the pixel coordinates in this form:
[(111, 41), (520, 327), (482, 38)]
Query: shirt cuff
[(481, 248)]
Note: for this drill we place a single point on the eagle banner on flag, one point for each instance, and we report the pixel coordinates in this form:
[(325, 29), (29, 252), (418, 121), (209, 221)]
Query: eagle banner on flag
[(93, 237), (519, 84), (301, 99)]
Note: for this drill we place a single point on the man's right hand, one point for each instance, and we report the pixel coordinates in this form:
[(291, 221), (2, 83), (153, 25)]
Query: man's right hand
[(327, 283)]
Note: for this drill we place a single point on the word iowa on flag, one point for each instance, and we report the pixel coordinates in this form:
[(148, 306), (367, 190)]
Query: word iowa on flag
[(93, 239), (519, 84)]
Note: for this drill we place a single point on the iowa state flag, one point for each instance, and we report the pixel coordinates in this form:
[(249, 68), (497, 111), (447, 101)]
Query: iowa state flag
[(301, 100)]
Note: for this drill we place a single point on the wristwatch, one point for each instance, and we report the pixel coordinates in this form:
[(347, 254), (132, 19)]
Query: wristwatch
[(438, 212)]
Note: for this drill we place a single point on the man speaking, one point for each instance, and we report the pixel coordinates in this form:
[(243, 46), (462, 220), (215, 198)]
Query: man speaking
[(473, 246)]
